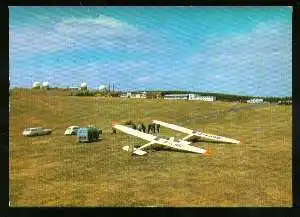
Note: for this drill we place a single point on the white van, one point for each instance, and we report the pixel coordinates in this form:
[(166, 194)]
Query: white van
[(72, 130)]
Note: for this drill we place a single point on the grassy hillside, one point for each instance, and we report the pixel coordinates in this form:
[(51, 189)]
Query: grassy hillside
[(56, 171)]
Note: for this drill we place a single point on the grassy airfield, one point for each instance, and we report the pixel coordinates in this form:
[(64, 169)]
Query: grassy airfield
[(56, 171)]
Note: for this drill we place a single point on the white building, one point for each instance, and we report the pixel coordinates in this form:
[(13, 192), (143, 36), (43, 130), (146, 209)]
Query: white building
[(286, 102), (176, 96), (255, 101), (136, 96), (190, 96), (126, 95), (193, 96), (73, 88), (139, 95)]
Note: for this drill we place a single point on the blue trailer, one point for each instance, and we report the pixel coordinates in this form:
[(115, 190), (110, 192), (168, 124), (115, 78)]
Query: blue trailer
[(88, 134)]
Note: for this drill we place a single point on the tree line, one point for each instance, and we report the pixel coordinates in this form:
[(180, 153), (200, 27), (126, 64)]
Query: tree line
[(95, 93)]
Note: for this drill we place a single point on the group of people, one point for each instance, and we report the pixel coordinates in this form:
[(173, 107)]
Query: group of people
[(152, 128)]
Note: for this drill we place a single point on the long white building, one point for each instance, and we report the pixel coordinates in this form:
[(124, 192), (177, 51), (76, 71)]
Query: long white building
[(193, 96), (190, 96), (258, 101), (176, 96)]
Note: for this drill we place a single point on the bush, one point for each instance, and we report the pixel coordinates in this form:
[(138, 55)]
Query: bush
[(115, 94), (83, 93), (94, 93), (129, 122), (154, 95)]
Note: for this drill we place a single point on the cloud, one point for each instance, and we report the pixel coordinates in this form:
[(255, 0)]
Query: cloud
[(250, 61), (101, 26), (266, 45), (66, 34), (102, 32), (100, 20), (143, 79)]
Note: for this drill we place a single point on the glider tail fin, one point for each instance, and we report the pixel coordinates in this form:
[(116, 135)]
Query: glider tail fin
[(208, 152)]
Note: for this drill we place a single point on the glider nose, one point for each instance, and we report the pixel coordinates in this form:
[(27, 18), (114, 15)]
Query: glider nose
[(113, 123)]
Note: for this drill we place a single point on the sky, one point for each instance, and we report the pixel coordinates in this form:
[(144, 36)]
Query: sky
[(235, 50)]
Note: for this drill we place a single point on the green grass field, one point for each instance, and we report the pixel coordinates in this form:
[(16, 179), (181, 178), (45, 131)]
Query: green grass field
[(56, 171)]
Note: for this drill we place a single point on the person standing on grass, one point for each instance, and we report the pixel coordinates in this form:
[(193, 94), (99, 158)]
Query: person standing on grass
[(143, 128), (133, 126), (139, 127), (151, 127), (157, 128)]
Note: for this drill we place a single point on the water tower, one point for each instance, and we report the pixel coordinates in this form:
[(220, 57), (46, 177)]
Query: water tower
[(83, 86), (102, 88), (36, 85), (45, 85)]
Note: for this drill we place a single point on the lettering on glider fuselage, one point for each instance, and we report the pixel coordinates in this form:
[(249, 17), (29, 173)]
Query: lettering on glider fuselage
[(175, 144), (210, 136)]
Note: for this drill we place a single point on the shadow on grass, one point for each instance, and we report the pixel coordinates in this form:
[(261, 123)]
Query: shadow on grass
[(194, 140), (166, 149), (32, 136), (91, 142)]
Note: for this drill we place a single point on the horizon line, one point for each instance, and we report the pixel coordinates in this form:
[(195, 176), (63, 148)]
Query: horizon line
[(161, 90)]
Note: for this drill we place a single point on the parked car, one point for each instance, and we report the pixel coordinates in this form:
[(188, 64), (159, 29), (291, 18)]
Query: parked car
[(72, 130), (36, 131)]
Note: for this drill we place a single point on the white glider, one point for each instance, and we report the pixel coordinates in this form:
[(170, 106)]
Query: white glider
[(171, 142), (196, 133)]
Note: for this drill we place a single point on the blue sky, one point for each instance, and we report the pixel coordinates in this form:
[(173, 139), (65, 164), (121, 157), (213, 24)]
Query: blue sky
[(237, 50)]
